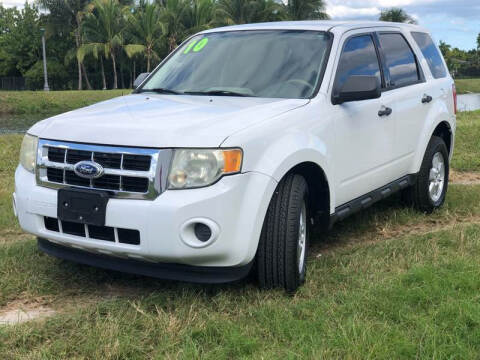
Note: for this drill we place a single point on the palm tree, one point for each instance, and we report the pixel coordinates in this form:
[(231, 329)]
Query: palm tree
[(69, 15), (199, 15), (231, 12), (103, 28), (172, 15), (98, 52), (396, 15), (267, 10), (444, 48), (146, 28), (305, 10)]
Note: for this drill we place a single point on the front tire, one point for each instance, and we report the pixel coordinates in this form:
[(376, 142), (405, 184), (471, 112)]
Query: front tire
[(283, 247), (429, 191)]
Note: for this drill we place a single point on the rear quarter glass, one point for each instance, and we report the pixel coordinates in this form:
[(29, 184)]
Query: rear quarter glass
[(431, 54)]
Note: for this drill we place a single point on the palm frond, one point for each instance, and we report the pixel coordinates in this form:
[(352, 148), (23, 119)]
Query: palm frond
[(133, 49)]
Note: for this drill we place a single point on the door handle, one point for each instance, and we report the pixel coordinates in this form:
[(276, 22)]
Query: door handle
[(426, 99), (384, 111)]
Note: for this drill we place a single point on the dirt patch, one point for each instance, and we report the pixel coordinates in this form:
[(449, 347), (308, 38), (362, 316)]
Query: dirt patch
[(383, 234), (10, 236), (464, 178), (20, 311)]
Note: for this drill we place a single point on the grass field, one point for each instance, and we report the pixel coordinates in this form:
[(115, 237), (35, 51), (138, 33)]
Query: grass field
[(53, 102), (387, 283), (467, 142), (465, 86)]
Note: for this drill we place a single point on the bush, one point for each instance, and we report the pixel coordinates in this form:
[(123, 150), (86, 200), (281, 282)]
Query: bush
[(57, 76)]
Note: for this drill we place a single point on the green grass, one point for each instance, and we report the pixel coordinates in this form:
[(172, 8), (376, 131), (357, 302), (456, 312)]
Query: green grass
[(387, 283), (405, 297), (465, 86), (53, 102), (467, 142), (9, 149)]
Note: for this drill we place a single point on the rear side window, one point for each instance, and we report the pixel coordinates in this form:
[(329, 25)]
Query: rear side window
[(431, 54), (399, 59), (358, 57)]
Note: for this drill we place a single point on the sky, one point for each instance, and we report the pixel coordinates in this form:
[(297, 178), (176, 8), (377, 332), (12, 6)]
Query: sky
[(457, 22)]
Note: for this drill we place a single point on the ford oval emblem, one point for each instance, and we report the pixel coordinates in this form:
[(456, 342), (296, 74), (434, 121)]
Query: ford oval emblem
[(88, 169)]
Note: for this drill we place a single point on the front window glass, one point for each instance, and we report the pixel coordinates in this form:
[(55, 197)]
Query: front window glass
[(359, 57), (270, 64)]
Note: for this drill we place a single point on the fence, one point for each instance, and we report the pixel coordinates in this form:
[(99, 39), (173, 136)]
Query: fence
[(12, 83)]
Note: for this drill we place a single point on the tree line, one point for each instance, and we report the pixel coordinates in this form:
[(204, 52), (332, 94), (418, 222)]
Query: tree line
[(462, 63), (100, 44)]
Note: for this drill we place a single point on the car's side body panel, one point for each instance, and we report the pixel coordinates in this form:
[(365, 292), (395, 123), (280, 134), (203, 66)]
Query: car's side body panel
[(440, 109), (358, 151), (361, 165), (276, 146)]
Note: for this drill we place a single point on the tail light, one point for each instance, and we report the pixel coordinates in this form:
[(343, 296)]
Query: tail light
[(454, 92)]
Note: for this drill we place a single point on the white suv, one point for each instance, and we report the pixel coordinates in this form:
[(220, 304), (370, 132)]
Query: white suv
[(223, 157)]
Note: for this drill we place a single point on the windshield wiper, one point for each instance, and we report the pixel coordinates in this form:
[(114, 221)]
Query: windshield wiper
[(163, 91), (217, 93)]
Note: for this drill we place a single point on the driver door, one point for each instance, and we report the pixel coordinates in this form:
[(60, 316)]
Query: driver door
[(364, 140)]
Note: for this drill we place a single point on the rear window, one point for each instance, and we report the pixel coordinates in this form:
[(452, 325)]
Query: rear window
[(431, 54), (400, 60)]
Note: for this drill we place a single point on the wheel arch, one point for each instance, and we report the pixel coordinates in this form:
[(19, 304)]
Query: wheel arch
[(313, 165), (444, 131), (318, 188), (443, 128)]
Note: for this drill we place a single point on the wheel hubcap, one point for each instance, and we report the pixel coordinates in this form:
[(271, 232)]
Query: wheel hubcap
[(437, 177), (302, 239)]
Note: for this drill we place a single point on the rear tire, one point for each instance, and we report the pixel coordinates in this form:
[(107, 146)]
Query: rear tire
[(429, 191), (283, 247)]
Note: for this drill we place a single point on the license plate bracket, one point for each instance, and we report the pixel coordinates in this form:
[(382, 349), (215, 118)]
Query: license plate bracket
[(82, 206)]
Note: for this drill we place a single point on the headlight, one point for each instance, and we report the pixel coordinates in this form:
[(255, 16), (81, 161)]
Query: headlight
[(28, 152), (201, 167)]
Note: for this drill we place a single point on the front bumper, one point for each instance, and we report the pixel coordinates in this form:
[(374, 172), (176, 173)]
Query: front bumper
[(236, 205), (166, 271)]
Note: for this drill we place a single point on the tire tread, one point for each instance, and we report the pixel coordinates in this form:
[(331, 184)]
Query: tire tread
[(276, 255)]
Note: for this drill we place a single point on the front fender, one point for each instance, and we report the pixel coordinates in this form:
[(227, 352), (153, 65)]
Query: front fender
[(283, 153)]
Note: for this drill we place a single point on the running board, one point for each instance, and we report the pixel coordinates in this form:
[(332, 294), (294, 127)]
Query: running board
[(365, 201)]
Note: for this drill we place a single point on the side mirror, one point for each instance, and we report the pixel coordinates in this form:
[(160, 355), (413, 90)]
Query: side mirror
[(140, 79), (358, 87)]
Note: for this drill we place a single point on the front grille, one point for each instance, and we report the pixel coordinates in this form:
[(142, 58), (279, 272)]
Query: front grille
[(112, 182), (74, 156), (134, 184), (136, 162), (56, 154), (112, 161), (105, 233), (55, 175), (128, 172), (73, 179)]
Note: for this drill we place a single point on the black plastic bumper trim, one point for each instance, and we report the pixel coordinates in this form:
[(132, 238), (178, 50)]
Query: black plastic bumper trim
[(166, 271)]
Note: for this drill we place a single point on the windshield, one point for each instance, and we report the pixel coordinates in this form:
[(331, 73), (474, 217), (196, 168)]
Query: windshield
[(270, 64)]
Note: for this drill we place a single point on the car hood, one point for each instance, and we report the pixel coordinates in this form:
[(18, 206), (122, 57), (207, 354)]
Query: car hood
[(153, 120)]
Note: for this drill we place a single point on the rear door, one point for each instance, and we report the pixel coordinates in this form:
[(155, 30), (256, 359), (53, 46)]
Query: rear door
[(405, 81), (438, 87)]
